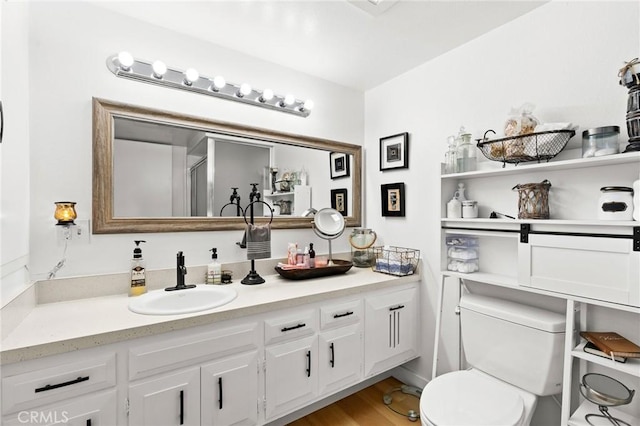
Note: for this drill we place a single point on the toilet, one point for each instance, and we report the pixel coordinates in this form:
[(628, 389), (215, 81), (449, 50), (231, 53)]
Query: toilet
[(515, 352)]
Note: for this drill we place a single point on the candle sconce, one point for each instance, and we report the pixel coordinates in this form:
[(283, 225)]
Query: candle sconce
[(65, 213)]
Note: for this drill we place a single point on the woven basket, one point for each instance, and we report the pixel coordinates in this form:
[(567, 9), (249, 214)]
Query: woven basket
[(533, 200)]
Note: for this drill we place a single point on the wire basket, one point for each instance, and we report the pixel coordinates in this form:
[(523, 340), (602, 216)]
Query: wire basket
[(398, 261), (525, 148)]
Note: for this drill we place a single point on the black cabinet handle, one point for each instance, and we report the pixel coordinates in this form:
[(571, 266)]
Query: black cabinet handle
[(63, 384), (1, 121), (395, 308), (181, 407), (88, 422), (346, 314), (332, 360), (308, 363), (220, 393), (294, 327)]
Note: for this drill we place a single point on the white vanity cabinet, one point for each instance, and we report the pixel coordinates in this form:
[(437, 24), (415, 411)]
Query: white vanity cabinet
[(72, 389), (390, 329), (340, 346), (291, 359), (205, 377), (230, 391), (168, 400)]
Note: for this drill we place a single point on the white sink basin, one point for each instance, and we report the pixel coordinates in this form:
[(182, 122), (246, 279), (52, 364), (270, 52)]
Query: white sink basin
[(200, 298)]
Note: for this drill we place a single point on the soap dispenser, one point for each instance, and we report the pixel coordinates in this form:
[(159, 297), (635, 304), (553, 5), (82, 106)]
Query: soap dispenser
[(138, 278), (214, 269)]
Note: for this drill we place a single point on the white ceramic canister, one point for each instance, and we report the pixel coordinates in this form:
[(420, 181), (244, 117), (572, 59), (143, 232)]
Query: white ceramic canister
[(454, 209), (616, 203), (469, 209)]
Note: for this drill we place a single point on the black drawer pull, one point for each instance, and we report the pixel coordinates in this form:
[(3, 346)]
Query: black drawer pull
[(88, 422), (61, 385), (332, 361), (346, 314), (220, 393), (395, 308), (294, 327), (181, 407), (308, 363)]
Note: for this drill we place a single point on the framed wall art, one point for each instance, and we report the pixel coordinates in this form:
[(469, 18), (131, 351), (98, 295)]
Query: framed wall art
[(339, 165), (392, 198), (394, 152), (339, 200)]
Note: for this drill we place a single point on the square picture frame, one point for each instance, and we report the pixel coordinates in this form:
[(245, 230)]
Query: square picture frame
[(339, 200), (339, 165), (394, 152), (392, 199)]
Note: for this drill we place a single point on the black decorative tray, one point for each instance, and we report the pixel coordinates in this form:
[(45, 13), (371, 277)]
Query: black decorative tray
[(339, 267), (541, 146)]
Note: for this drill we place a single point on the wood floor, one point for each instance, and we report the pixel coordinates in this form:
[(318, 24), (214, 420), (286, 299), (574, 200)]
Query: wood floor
[(365, 408)]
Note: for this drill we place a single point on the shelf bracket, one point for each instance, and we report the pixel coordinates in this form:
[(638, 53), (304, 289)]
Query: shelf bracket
[(636, 238), (525, 228)]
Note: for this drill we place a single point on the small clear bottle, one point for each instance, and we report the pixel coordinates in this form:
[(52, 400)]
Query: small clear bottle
[(214, 269), (465, 152), (450, 162)]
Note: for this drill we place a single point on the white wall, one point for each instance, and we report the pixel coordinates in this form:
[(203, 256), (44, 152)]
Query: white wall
[(564, 57), (69, 44), (14, 150)]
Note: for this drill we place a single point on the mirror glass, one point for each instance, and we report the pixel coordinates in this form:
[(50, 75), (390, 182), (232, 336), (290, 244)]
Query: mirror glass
[(158, 171)]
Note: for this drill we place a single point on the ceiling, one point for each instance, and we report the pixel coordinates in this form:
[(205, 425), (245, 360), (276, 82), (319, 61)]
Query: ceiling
[(353, 43)]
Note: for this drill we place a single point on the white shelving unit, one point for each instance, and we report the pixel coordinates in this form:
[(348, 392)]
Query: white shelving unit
[(300, 198), (506, 234)]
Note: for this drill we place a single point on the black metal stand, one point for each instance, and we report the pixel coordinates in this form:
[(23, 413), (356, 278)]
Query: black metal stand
[(253, 277)]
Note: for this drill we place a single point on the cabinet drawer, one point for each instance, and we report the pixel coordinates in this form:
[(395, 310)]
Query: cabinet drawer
[(167, 354), (599, 268), (48, 385), (291, 326), (340, 314)]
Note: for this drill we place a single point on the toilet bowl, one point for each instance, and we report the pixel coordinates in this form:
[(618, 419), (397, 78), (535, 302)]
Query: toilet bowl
[(474, 398)]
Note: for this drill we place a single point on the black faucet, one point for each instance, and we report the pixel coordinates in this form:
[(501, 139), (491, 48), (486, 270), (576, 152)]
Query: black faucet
[(181, 271)]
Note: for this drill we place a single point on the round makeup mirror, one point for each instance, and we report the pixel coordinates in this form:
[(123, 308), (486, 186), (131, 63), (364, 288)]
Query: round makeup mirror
[(328, 224), (605, 392)]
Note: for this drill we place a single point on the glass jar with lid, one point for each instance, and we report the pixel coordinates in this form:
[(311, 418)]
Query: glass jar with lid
[(465, 152), (450, 162)]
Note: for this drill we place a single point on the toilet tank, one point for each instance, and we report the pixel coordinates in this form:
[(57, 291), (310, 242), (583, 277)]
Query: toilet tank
[(519, 344)]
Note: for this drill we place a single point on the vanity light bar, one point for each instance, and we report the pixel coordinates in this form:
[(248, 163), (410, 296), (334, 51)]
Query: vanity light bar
[(125, 66)]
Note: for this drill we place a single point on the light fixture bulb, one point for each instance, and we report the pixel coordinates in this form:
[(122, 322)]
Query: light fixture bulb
[(308, 105), (266, 96), (245, 90), (191, 76), (159, 69), (218, 83), (288, 100), (125, 60)]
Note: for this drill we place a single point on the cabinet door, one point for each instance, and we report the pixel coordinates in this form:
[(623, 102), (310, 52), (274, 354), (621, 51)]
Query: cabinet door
[(291, 375), (169, 400), (599, 268), (230, 391), (339, 358), (390, 330), (94, 410)]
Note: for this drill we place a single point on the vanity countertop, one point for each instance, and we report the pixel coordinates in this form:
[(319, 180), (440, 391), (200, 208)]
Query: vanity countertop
[(65, 326)]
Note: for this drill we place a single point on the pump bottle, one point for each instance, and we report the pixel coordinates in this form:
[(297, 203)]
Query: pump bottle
[(138, 277), (214, 269)]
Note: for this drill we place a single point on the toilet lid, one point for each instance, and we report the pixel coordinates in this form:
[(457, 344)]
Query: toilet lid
[(470, 398)]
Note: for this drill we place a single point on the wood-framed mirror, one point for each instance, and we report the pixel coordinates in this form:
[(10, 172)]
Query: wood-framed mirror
[(161, 171)]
